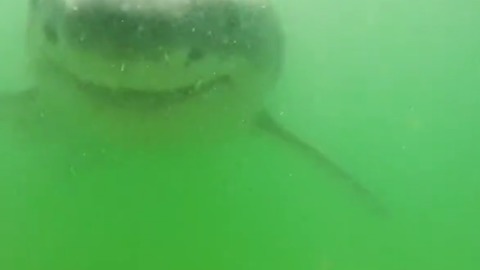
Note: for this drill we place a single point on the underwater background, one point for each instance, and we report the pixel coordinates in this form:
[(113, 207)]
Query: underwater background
[(387, 88)]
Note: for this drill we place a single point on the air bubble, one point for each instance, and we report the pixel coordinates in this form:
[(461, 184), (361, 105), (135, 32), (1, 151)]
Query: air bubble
[(198, 85), (73, 171), (126, 7)]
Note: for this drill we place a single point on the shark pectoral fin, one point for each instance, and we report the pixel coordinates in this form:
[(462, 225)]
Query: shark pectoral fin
[(267, 123)]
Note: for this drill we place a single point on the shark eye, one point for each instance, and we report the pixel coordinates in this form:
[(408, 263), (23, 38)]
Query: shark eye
[(195, 54)]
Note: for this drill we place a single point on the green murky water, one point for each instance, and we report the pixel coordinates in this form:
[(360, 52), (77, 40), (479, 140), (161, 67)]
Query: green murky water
[(386, 88)]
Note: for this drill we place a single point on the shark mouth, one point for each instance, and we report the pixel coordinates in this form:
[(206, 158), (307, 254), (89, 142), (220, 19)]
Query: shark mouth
[(146, 98), (149, 99)]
